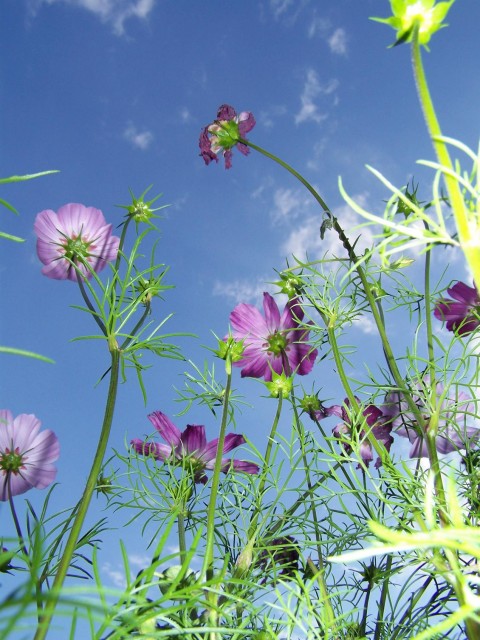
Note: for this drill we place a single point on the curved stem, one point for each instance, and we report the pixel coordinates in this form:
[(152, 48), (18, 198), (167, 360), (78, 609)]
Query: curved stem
[(70, 545)]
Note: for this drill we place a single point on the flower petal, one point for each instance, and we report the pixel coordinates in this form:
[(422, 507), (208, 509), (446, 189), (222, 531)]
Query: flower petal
[(166, 428)]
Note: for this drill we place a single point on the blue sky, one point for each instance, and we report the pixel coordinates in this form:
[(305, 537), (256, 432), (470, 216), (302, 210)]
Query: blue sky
[(114, 93)]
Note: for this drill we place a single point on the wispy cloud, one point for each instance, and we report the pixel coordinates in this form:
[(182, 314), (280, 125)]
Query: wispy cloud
[(338, 42), (312, 89), (267, 118), (139, 139), (242, 290), (112, 12)]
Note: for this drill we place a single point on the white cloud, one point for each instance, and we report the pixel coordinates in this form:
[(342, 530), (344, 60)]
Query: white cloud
[(116, 576), (139, 139), (311, 90), (288, 204), (338, 42), (318, 26), (242, 290), (185, 115), (305, 238), (279, 7), (112, 12), (267, 117)]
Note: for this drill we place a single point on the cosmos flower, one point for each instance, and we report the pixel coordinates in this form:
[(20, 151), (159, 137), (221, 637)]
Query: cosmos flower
[(272, 343), (26, 456), (75, 235), (190, 448), (224, 134), (455, 410), (462, 313), (375, 419)]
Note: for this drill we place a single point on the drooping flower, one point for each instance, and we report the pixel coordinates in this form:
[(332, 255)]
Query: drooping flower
[(455, 411), (379, 426), (26, 455), (75, 235), (280, 555), (462, 314), (272, 343), (226, 132), (190, 448), (407, 14)]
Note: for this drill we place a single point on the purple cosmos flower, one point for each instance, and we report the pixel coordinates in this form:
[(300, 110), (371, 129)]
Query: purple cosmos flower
[(379, 425), (272, 343), (461, 313), (26, 456), (190, 448), (75, 235), (455, 410), (226, 132)]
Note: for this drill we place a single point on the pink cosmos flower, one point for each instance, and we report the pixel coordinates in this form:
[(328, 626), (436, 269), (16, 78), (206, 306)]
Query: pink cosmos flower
[(456, 409), (190, 448), (272, 343), (461, 313), (78, 235), (379, 425), (26, 456), (224, 133)]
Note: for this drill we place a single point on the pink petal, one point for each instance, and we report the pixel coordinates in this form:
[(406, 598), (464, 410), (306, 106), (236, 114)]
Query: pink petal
[(272, 314), (194, 440)]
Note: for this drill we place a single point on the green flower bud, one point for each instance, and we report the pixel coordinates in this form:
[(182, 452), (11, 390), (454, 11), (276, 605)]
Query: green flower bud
[(280, 384), (232, 347), (424, 14)]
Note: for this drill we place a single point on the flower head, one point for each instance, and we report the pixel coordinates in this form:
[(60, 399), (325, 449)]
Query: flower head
[(462, 314), (190, 448), (407, 14), (226, 132), (455, 409), (75, 235), (26, 456), (272, 343), (378, 425)]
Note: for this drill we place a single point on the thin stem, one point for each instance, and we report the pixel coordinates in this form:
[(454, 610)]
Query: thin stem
[(128, 340), (89, 304), (208, 560), (379, 625), (469, 238), (70, 545), (266, 464)]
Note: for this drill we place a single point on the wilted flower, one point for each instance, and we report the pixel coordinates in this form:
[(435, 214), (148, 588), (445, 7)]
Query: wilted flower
[(455, 410), (272, 343), (379, 427), (190, 448), (76, 235), (26, 456), (462, 314), (281, 553), (409, 13), (226, 132)]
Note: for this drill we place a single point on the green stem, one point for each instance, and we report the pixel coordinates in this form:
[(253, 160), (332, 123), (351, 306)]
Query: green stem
[(208, 560), (70, 545), (89, 304), (469, 238), (380, 623), (181, 535), (266, 464)]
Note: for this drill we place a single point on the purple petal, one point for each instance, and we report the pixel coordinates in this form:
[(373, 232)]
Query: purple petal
[(246, 320), (194, 440), (227, 154), (246, 122), (272, 313), (226, 112), (166, 428), (240, 465), (232, 440), (159, 451), (463, 293)]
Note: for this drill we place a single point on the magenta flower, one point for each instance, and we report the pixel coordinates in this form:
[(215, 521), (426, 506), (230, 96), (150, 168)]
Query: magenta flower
[(26, 456), (456, 409), (76, 235), (379, 425), (462, 314), (190, 448), (272, 343), (226, 132)]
